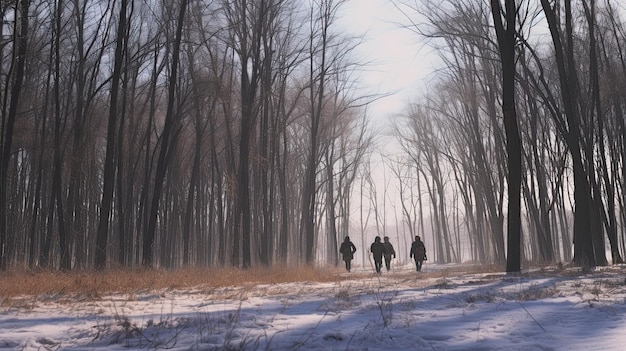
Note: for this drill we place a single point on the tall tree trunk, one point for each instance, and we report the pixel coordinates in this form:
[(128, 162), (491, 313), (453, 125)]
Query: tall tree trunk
[(244, 216), (602, 210), (109, 162), (331, 229), (283, 239), (19, 57), (168, 141), (583, 244), (56, 202), (144, 202), (506, 41), (318, 76), (35, 222)]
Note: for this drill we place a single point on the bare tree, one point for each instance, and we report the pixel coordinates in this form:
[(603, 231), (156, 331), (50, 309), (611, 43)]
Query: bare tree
[(507, 37), (20, 31), (112, 133), (168, 139), (469, 108), (584, 252), (321, 44), (250, 23)]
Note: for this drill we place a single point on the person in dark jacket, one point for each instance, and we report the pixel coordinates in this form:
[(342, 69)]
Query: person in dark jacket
[(347, 249), (378, 249), (389, 251), (418, 252)]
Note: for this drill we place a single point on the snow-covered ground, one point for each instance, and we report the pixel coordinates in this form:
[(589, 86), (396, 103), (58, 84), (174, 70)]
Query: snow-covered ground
[(401, 310)]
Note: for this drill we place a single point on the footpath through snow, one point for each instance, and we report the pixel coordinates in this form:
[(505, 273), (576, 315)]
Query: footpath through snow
[(401, 310)]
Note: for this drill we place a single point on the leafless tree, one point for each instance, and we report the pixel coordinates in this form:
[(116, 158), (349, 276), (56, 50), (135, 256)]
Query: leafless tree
[(168, 138), (112, 134), (505, 23), (18, 62)]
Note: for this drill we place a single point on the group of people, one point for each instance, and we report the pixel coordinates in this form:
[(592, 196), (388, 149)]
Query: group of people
[(384, 250)]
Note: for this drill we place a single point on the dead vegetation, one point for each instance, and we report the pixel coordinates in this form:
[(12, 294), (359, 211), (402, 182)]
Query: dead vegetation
[(93, 284)]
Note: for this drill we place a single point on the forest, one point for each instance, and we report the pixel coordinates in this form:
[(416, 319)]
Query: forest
[(219, 133)]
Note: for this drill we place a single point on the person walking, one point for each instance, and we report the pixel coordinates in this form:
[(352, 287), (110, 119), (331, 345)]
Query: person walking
[(418, 252), (389, 251), (347, 250), (377, 249)]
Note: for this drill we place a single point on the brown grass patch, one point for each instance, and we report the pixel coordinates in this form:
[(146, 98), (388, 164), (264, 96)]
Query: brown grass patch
[(453, 271), (93, 284)]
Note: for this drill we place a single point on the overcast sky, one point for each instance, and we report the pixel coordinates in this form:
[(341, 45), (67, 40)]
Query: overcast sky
[(399, 62), (398, 65)]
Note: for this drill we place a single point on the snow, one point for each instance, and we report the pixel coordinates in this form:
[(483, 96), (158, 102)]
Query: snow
[(437, 309)]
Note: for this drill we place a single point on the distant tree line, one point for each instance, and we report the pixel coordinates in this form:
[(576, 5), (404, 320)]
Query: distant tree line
[(233, 133), (170, 133), (559, 68)]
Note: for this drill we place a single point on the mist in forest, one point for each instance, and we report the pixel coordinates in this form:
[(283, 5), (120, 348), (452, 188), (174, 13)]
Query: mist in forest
[(260, 133)]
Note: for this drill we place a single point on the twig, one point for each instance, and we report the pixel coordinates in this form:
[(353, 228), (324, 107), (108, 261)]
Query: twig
[(531, 316), (350, 341), (310, 334)]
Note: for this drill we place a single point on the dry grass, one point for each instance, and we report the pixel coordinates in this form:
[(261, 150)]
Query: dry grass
[(93, 284), (452, 271)]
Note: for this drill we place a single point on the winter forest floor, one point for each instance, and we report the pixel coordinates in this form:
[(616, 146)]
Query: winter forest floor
[(445, 307)]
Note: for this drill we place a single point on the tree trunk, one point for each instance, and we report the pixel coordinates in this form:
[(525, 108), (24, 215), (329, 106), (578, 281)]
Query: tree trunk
[(167, 143), (583, 244), (506, 41), (19, 58), (109, 162)]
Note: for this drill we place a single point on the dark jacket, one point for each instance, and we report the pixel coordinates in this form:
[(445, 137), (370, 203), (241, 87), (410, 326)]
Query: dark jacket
[(347, 249), (418, 250), (389, 251), (378, 249)]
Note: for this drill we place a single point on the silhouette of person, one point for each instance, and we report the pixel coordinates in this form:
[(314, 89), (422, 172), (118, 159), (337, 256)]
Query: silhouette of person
[(418, 252), (389, 251), (347, 249), (378, 249)]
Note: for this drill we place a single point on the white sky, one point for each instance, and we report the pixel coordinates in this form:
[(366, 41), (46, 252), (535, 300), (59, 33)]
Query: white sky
[(398, 68), (399, 63)]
